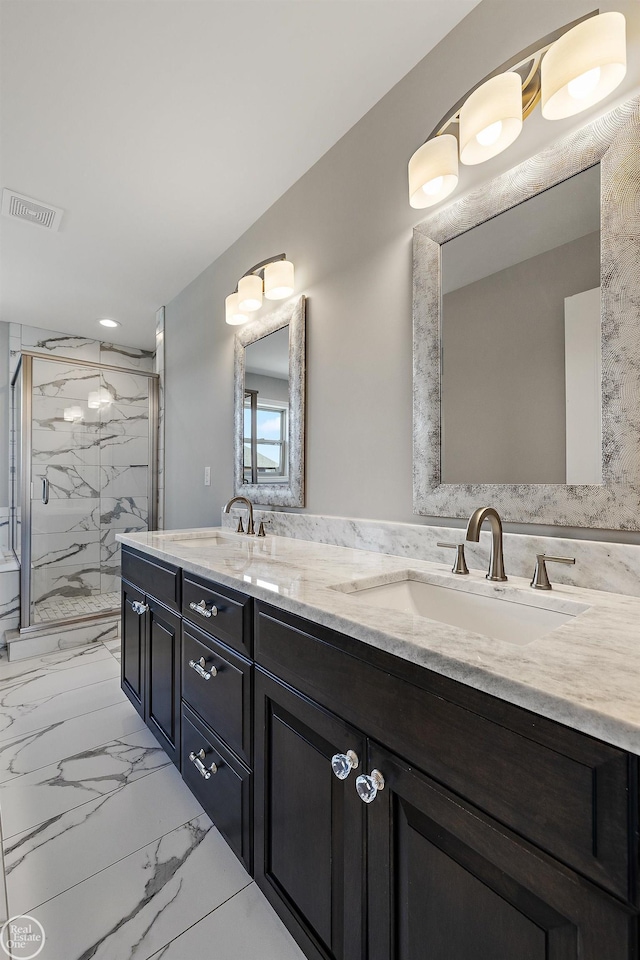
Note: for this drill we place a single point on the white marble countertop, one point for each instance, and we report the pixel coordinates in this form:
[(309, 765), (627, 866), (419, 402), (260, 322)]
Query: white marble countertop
[(585, 673)]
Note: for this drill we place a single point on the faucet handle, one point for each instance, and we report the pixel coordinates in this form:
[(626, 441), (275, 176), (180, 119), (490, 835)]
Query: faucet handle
[(540, 579), (460, 565), (262, 526)]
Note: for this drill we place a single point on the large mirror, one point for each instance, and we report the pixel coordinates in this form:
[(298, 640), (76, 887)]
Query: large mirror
[(269, 407), (520, 342), (527, 339)]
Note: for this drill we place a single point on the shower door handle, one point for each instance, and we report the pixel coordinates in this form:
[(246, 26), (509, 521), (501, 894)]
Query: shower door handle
[(45, 490)]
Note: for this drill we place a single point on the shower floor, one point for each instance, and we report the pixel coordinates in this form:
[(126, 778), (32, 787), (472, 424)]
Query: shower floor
[(65, 608)]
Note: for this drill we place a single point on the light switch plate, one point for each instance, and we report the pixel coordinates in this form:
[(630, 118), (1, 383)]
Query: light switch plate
[(207, 476)]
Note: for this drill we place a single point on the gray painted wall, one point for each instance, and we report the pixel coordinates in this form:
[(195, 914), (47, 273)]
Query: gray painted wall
[(347, 226), (503, 396)]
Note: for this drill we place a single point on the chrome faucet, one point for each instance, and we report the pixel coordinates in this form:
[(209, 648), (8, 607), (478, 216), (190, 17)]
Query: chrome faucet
[(249, 505), (477, 518)]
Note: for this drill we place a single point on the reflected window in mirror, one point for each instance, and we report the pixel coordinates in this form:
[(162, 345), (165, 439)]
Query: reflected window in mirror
[(521, 343)]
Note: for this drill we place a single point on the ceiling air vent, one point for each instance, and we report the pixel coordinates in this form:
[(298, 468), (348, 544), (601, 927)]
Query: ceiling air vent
[(33, 211)]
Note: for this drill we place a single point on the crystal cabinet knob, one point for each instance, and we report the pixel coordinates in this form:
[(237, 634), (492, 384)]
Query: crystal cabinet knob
[(368, 785), (139, 608), (343, 763)]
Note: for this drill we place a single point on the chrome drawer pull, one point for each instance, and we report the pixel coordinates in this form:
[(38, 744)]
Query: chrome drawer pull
[(139, 608), (203, 609), (200, 667), (196, 760)]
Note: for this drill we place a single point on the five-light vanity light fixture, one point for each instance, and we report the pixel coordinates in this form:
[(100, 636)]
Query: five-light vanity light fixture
[(567, 72), (272, 277)]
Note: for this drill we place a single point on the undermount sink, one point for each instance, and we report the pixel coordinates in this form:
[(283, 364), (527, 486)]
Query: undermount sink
[(499, 618), (197, 538)]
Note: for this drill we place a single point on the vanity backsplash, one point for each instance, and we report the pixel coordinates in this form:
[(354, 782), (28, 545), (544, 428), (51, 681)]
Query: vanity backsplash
[(613, 567)]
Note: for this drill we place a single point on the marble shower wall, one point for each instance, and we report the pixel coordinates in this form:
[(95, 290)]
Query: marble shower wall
[(97, 469), (96, 466)]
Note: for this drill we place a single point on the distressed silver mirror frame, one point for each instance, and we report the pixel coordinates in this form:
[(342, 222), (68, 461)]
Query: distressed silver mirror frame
[(290, 494), (614, 141)]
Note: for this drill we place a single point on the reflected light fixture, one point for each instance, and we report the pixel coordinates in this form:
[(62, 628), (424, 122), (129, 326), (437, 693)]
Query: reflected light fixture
[(72, 413), (98, 398), (107, 322), (567, 72), (273, 278)]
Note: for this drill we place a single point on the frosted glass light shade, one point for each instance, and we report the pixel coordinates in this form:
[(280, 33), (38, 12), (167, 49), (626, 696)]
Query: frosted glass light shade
[(433, 171), (584, 66), (232, 311), (491, 118), (250, 293), (278, 280)]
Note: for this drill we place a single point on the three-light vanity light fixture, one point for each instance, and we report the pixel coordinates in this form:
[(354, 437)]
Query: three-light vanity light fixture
[(567, 72), (272, 278)]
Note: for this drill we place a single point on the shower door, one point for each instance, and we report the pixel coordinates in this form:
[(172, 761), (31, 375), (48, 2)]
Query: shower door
[(88, 468)]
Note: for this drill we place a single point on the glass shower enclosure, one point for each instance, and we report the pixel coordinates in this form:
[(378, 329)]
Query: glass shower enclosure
[(84, 456)]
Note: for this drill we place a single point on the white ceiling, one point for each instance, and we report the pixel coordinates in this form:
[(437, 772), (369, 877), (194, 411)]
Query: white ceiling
[(147, 120)]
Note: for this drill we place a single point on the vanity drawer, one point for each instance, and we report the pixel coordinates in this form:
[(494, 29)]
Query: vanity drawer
[(560, 789), (222, 697), (221, 612), (159, 580), (225, 794)]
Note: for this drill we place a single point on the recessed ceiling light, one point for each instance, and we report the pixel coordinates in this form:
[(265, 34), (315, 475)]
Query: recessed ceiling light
[(109, 323)]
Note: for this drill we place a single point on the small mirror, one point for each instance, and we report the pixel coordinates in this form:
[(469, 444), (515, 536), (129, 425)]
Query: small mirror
[(266, 409), (269, 412)]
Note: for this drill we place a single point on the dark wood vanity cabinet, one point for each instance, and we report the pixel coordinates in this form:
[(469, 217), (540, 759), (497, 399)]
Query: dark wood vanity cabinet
[(186, 669), (498, 834), (151, 648), (217, 702), (448, 869), (441, 873), (133, 646), (309, 825)]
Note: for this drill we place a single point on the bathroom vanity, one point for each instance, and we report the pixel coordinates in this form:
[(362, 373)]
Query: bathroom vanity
[(399, 787)]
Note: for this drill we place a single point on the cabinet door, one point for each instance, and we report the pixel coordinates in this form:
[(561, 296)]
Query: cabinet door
[(309, 831), (162, 712), (448, 883), (133, 646)]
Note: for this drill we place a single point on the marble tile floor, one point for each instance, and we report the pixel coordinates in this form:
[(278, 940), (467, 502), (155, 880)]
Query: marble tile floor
[(64, 608), (103, 843)]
